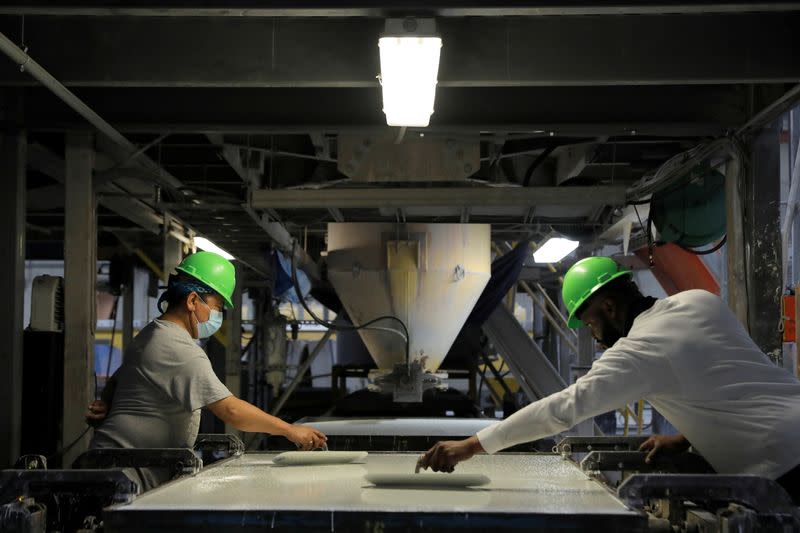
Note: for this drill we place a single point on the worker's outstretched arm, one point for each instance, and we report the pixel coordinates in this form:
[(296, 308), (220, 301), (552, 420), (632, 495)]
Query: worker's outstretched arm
[(245, 416), (625, 373)]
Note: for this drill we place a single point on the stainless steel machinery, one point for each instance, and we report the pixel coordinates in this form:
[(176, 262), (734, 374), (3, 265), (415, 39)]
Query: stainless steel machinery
[(429, 276)]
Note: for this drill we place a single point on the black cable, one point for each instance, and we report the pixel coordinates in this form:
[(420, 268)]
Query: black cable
[(340, 327), (67, 448), (649, 231), (111, 344), (716, 247), (480, 387)]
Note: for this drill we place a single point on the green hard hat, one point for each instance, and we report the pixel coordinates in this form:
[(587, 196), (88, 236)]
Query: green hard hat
[(213, 270), (584, 279)]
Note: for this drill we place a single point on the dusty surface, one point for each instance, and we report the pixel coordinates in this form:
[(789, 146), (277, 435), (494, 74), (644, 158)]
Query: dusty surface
[(519, 484)]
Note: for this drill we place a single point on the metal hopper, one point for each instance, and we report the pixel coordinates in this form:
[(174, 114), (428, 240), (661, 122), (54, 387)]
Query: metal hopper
[(427, 275)]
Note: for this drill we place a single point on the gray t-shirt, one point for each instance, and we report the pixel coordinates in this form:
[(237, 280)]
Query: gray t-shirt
[(163, 383)]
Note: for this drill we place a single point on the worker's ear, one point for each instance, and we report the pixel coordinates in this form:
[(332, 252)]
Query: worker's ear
[(191, 302), (609, 306)]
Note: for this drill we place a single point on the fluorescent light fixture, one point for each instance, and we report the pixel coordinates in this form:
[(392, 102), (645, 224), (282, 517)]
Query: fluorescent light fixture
[(554, 250), (409, 71), (208, 246)]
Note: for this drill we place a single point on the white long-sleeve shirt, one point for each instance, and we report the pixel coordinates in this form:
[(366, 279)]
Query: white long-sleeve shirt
[(688, 356)]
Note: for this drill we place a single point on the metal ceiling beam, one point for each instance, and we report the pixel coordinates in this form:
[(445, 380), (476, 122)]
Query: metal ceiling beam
[(640, 110), (43, 160), (259, 8), (477, 52), (284, 241), (276, 231), (442, 196), (109, 135), (564, 129)]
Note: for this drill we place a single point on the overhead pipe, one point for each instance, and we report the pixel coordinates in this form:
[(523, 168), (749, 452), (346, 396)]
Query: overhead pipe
[(29, 65), (702, 152)]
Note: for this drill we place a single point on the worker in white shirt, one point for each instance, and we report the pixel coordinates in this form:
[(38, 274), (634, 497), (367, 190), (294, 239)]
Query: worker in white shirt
[(688, 356)]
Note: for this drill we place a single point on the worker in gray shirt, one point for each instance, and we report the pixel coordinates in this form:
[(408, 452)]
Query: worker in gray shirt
[(154, 399)]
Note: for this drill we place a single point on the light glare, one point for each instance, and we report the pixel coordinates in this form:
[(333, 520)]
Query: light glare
[(409, 70), (554, 250), (208, 246)]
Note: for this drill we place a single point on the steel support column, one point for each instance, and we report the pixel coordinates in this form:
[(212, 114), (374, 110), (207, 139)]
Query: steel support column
[(127, 313), (737, 272), (762, 234), (233, 348), (80, 267), (173, 252), (12, 286)]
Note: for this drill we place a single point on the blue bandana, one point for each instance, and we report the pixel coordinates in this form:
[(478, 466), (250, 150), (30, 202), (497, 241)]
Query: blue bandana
[(182, 288)]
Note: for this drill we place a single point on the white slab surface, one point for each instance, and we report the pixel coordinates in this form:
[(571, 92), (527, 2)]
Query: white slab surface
[(406, 427), (317, 458), (519, 484), (427, 480)]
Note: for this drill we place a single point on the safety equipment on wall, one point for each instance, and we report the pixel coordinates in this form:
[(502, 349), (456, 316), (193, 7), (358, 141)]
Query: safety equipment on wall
[(210, 326), (213, 270), (584, 279)]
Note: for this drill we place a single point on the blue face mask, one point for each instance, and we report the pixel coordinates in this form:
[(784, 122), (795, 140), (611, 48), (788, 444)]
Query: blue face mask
[(210, 326)]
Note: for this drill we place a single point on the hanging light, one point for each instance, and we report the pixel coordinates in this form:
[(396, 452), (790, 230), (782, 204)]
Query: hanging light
[(208, 246), (554, 250), (409, 52)]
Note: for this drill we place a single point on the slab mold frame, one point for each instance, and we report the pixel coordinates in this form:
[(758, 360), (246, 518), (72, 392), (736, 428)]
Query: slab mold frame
[(159, 514)]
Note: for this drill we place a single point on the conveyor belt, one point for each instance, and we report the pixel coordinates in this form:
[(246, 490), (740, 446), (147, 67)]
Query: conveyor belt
[(249, 492)]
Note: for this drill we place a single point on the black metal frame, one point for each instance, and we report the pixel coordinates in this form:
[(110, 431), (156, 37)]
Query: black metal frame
[(766, 503), (70, 496), (311, 521), (576, 444), (180, 461), (635, 461)]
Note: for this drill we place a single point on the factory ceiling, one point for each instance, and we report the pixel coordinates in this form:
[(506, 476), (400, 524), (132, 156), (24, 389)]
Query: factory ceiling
[(251, 109)]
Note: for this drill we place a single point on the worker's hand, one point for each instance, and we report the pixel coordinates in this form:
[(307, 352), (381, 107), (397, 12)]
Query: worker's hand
[(98, 411), (444, 456), (664, 444), (305, 437)]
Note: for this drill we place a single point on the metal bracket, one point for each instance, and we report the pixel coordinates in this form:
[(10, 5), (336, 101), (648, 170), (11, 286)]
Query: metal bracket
[(180, 460), (761, 494), (576, 444), (213, 447), (31, 462), (407, 382), (113, 485), (627, 461)]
